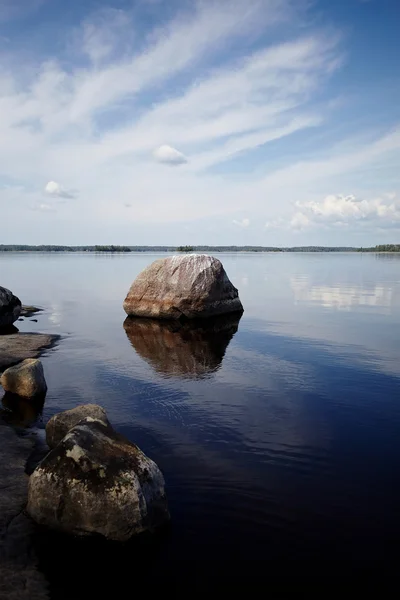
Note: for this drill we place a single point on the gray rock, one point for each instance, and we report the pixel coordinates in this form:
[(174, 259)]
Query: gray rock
[(18, 346), (183, 287), (10, 308), (29, 311), (97, 482), (60, 424), (26, 379)]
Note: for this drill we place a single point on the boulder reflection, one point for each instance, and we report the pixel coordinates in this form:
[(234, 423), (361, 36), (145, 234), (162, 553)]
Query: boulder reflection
[(21, 412), (191, 349)]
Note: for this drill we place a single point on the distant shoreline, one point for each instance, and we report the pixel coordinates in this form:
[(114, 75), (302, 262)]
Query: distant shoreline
[(382, 249)]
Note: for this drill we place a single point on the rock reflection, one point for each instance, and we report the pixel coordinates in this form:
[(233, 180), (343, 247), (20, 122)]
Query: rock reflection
[(191, 349), (21, 412)]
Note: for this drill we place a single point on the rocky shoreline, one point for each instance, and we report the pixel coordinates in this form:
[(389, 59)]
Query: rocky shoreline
[(19, 575)]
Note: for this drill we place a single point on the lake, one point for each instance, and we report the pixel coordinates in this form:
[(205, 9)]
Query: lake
[(279, 437)]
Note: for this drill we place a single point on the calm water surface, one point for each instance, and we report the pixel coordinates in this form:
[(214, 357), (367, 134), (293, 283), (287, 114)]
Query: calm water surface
[(279, 443)]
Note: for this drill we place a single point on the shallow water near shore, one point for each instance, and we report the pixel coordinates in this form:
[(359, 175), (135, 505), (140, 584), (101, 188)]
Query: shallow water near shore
[(278, 434)]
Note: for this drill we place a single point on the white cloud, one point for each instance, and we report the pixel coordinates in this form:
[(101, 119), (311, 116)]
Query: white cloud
[(349, 210), (342, 211), (56, 190), (169, 156), (242, 223)]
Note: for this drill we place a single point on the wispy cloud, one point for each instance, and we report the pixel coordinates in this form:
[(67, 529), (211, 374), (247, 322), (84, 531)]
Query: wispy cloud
[(12, 9), (234, 93)]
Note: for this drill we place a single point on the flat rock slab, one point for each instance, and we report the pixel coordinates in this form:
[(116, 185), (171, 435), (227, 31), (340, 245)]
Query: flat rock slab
[(19, 577), (16, 347)]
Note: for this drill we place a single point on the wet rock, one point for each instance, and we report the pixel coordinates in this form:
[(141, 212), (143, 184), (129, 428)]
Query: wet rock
[(10, 308), (97, 482), (60, 424), (29, 311), (15, 346), (26, 379), (183, 287), (192, 349)]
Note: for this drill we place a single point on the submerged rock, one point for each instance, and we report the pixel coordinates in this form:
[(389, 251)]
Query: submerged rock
[(60, 424), (26, 379), (97, 482), (183, 287), (10, 308), (193, 349)]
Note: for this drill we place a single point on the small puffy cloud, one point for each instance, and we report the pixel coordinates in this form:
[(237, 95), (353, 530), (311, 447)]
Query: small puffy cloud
[(169, 156), (242, 223), (57, 191)]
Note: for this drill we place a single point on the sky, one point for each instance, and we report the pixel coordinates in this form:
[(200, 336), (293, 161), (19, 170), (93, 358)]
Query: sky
[(163, 122)]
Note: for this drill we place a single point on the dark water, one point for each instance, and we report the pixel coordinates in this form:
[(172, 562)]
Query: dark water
[(279, 436)]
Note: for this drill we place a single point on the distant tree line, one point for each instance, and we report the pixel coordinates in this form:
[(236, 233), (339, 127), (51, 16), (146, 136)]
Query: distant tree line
[(206, 249), (382, 248)]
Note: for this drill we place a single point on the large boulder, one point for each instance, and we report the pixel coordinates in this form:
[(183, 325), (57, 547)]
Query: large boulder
[(60, 424), (26, 379), (192, 349), (10, 308), (182, 287), (97, 482)]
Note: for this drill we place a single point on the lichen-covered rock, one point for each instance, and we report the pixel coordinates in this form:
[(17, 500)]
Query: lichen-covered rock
[(193, 349), (10, 308), (60, 424), (97, 482), (26, 379), (183, 287)]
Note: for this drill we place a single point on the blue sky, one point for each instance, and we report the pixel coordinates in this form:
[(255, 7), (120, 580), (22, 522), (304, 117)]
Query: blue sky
[(268, 122)]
